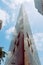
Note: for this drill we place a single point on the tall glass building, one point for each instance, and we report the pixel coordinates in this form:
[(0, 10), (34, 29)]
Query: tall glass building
[(39, 5), (22, 46)]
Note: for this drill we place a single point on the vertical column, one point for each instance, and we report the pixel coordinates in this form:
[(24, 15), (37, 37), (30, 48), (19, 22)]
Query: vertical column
[(18, 51), (22, 42)]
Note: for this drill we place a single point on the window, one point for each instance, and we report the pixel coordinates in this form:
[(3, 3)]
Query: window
[(27, 35), (28, 44), (17, 44), (18, 35)]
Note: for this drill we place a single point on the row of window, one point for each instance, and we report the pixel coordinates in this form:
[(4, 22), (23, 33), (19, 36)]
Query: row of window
[(29, 43)]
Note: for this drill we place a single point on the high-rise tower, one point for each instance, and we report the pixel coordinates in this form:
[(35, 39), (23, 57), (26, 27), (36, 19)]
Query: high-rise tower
[(22, 45)]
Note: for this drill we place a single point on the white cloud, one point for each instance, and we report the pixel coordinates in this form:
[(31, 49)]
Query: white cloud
[(5, 1), (13, 3), (4, 16), (21, 1), (11, 30), (13, 17), (38, 37)]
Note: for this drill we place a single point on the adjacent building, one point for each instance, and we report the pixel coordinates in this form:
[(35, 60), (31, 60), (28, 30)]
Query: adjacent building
[(0, 24), (39, 5)]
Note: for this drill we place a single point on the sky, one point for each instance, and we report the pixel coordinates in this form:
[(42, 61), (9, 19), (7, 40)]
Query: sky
[(9, 10)]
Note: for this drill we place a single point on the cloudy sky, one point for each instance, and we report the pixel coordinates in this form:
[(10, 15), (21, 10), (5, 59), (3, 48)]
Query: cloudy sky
[(9, 10)]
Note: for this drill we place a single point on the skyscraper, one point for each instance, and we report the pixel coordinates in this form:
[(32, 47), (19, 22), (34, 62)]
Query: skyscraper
[(22, 45), (39, 5)]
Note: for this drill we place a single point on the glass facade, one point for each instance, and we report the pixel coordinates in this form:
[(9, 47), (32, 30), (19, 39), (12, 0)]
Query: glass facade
[(39, 5)]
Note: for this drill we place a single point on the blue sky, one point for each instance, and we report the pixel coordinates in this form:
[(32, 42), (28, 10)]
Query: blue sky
[(9, 10)]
